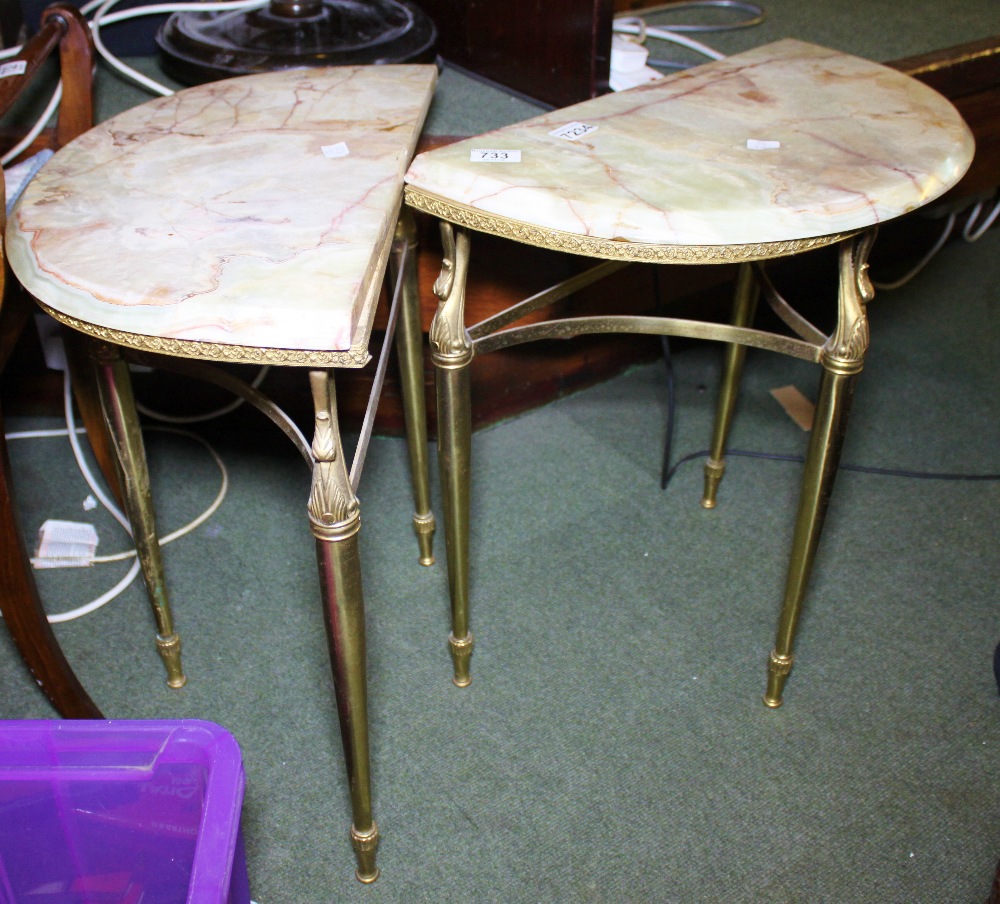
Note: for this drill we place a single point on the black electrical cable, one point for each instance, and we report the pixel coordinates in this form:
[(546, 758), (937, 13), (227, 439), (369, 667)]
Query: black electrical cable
[(799, 459), (668, 361)]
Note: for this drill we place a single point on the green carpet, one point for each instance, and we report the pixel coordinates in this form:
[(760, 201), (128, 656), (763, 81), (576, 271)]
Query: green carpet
[(613, 746)]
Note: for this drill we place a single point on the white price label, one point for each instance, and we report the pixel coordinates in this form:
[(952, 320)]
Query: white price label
[(488, 155), (755, 144), (18, 67), (339, 149), (573, 131)]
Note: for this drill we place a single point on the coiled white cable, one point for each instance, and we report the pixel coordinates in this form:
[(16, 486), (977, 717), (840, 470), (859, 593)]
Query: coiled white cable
[(923, 262), (72, 432), (36, 129), (972, 232), (208, 415), (103, 16), (636, 26)]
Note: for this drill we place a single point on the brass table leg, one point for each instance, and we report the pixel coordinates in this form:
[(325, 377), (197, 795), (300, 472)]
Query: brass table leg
[(335, 517), (744, 306), (843, 358), (409, 348), (451, 352), (118, 402)]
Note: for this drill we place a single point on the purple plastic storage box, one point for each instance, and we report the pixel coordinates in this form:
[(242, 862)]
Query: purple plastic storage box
[(120, 813)]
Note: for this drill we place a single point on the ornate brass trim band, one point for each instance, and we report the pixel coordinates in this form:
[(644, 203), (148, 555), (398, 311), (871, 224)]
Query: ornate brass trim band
[(591, 246), (656, 326), (215, 351)]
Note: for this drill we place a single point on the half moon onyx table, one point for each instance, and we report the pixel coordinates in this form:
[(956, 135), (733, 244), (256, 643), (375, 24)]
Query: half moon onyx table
[(774, 152), (247, 221)]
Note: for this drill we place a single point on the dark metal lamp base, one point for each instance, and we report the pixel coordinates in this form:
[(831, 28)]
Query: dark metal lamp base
[(200, 47)]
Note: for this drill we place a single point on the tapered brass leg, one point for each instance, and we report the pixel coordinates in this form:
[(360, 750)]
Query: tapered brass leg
[(817, 484), (409, 348), (451, 352), (744, 306), (843, 358), (118, 402), (335, 517)]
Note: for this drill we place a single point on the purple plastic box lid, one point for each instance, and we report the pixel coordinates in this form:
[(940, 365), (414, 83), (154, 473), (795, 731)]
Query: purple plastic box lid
[(120, 813)]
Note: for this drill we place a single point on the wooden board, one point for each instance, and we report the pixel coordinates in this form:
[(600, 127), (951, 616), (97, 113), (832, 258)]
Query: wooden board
[(554, 51)]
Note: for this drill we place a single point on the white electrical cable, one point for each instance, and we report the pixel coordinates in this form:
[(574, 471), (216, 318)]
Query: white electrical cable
[(208, 415), (119, 588), (971, 234), (113, 509), (40, 434), (36, 129), (81, 461), (103, 17), (635, 26), (72, 431), (923, 262), (754, 14), (203, 517)]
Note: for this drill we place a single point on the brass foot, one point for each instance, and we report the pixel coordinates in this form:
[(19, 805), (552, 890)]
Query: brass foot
[(423, 527), (713, 476), (461, 653), (778, 669), (364, 844), (170, 653)]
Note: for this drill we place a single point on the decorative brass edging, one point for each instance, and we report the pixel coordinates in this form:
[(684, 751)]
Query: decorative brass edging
[(591, 246), (214, 351)]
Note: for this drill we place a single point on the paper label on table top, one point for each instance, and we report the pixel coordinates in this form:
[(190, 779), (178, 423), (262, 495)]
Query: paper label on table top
[(339, 149), (757, 144), (493, 155), (573, 131)]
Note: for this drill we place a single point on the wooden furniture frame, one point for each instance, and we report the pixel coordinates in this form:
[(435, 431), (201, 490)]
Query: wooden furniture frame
[(64, 28)]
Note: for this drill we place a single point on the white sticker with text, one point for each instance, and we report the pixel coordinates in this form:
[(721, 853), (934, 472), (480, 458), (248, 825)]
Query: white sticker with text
[(18, 67), (339, 149), (488, 155), (573, 131), (755, 144)]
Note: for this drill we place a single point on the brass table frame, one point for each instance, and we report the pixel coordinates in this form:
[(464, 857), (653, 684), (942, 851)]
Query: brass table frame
[(333, 507), (840, 355)]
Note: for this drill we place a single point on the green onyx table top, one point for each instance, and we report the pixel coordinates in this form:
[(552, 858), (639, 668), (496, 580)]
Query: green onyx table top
[(241, 220), (779, 144)]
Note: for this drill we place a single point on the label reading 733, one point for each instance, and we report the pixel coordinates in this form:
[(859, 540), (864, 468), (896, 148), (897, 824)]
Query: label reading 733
[(488, 155)]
